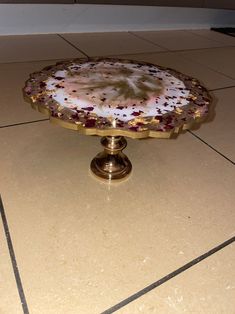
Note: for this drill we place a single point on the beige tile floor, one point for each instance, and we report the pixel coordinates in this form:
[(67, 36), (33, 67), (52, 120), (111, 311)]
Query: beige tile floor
[(177, 295), (111, 43), (82, 246), (214, 59), (13, 107), (180, 40), (10, 302), (35, 47), (221, 135), (226, 40)]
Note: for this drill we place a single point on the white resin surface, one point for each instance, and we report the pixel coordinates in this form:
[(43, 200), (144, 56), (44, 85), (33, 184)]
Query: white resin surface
[(117, 90)]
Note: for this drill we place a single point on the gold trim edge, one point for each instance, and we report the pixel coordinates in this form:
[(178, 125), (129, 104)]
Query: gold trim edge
[(114, 132)]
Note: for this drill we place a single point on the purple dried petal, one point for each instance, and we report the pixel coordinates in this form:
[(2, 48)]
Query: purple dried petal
[(90, 123), (88, 108)]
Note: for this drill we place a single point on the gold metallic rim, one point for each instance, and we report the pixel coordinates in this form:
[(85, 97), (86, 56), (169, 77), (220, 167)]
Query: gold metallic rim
[(115, 132)]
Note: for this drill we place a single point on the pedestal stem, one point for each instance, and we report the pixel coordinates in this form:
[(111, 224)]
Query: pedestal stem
[(112, 164)]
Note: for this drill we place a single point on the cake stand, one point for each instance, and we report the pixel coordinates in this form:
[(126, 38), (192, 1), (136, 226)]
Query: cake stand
[(114, 98)]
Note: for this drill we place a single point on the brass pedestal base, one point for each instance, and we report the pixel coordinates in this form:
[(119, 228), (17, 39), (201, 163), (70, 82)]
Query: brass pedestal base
[(112, 164)]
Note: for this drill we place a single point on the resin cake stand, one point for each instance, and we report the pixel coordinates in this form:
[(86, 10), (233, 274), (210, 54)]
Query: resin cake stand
[(115, 98)]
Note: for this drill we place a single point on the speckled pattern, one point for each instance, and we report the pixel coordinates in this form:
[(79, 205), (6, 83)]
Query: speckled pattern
[(108, 94)]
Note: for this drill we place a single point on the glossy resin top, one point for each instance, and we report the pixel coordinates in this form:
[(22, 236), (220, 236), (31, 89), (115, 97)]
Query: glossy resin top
[(117, 97)]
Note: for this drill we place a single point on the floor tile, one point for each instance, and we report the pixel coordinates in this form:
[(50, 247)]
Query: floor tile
[(104, 44), (178, 40), (82, 246), (35, 47), (208, 77), (10, 301), (206, 288), (220, 133), (14, 109), (223, 39), (219, 59)]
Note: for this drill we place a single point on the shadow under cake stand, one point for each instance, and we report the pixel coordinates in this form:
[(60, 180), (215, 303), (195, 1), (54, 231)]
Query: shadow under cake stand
[(115, 98)]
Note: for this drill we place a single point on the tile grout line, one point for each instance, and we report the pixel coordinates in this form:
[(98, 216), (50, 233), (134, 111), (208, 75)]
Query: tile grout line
[(149, 41), (214, 149), (205, 37), (182, 50), (138, 53), (206, 48), (75, 47), (171, 275), (22, 123), (13, 260), (220, 88), (124, 54), (208, 67), (41, 60)]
